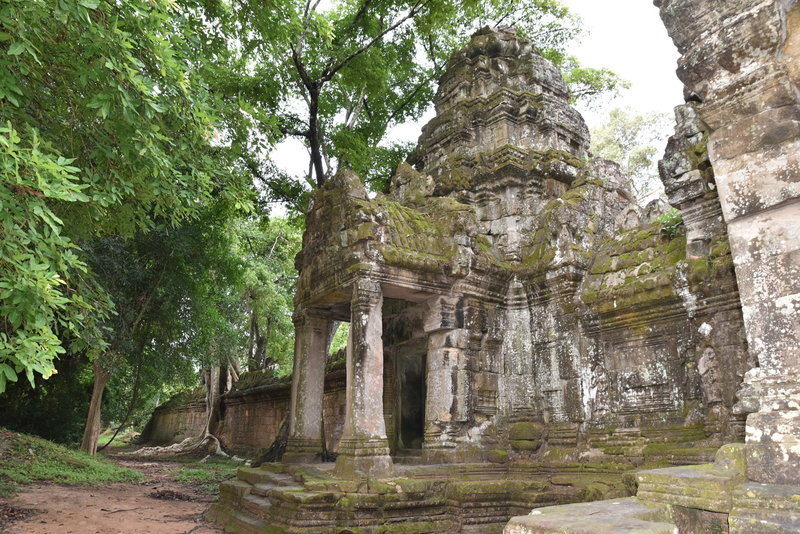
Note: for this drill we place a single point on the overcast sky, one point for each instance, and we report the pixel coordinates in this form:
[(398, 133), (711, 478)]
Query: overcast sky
[(626, 36)]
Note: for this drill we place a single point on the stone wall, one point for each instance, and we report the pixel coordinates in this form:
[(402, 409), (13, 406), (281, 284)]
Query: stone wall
[(739, 65), (252, 415), (175, 421)]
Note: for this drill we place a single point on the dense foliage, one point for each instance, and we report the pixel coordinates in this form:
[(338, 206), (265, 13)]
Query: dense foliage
[(104, 130), (339, 75)]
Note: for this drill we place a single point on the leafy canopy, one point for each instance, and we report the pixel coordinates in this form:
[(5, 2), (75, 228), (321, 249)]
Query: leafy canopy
[(631, 139), (105, 128), (339, 74)]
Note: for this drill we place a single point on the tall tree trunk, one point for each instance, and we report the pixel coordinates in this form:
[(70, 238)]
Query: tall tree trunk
[(263, 346), (91, 432), (313, 136), (133, 402), (214, 387), (252, 360)]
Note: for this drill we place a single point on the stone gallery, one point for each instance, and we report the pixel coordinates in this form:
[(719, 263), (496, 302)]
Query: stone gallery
[(525, 339)]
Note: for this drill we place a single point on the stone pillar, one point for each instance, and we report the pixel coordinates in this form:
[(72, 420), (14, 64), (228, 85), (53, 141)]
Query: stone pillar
[(741, 60), (312, 331), (766, 248), (364, 448), (447, 380)]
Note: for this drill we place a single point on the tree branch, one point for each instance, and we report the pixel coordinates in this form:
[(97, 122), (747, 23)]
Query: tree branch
[(327, 74), (356, 18), (298, 48), (352, 114), (396, 111), (292, 131)]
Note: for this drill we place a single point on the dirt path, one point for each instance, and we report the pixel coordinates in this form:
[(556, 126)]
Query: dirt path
[(159, 505)]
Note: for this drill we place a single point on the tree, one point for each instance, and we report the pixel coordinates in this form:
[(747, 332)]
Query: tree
[(338, 77), (104, 130), (176, 295), (268, 248), (634, 140)]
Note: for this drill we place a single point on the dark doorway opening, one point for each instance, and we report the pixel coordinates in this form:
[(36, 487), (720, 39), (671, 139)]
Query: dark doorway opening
[(412, 393)]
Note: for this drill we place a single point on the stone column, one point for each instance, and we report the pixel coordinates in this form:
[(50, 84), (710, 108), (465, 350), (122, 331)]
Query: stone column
[(312, 331), (741, 59), (364, 448), (447, 381)]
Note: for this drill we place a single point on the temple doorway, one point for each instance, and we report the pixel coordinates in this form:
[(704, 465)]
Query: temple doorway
[(411, 395)]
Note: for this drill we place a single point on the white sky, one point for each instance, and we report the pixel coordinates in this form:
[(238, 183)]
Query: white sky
[(626, 36)]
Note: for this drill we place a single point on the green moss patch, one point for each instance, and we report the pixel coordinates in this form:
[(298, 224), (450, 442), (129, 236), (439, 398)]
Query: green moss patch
[(206, 478), (497, 456), (25, 459)]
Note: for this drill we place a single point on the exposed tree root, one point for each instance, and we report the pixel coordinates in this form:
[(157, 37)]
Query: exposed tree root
[(209, 441)]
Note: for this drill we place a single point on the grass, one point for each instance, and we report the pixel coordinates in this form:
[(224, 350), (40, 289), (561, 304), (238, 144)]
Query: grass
[(25, 459), (121, 441), (206, 477)]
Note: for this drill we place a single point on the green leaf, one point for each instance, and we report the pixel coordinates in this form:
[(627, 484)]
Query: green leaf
[(16, 48), (9, 373)]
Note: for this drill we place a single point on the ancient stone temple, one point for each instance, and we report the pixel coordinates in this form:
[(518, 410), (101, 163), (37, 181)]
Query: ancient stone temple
[(507, 277), (522, 334)]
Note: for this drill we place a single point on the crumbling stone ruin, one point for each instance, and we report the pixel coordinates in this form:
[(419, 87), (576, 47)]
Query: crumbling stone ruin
[(509, 278), (739, 65), (522, 334)]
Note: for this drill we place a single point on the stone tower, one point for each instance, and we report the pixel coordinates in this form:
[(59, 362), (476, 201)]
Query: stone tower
[(504, 138)]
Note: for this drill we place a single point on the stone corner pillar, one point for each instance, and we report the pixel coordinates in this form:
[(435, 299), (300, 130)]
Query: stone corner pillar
[(751, 104), (364, 448), (312, 331), (446, 380)]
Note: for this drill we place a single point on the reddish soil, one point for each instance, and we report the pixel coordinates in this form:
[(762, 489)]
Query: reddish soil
[(159, 505)]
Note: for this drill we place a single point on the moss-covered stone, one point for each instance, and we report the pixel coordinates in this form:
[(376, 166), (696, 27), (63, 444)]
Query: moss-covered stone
[(526, 431), (497, 456)]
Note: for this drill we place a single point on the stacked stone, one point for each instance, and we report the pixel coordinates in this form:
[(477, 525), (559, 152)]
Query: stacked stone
[(740, 59), (504, 138), (499, 104)]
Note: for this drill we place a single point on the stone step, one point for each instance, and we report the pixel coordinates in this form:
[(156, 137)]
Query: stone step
[(232, 491), (617, 516), (759, 508), (705, 487), (256, 507), (236, 521), (248, 525), (408, 457), (258, 475)]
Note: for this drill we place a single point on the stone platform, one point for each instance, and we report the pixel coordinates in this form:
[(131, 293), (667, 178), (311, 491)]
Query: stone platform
[(468, 498), (620, 515), (709, 499)]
